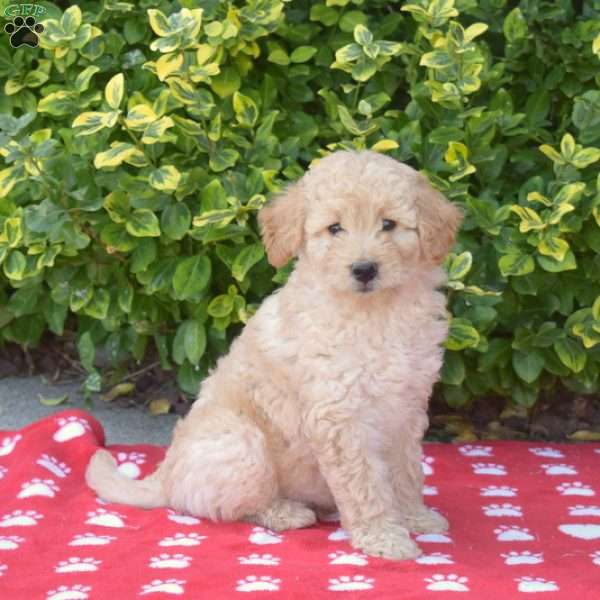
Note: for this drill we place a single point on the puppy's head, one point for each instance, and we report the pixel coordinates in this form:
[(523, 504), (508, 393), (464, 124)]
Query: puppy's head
[(361, 221)]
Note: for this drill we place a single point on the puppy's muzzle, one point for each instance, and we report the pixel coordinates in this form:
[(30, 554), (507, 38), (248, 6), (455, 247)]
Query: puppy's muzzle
[(364, 271)]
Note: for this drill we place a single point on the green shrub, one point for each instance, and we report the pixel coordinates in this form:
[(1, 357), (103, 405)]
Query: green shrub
[(139, 141)]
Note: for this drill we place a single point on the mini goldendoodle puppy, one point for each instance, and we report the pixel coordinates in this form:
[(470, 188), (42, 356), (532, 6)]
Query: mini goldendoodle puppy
[(321, 402)]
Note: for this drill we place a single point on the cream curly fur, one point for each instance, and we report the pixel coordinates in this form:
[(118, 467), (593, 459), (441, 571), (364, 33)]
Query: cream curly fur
[(321, 402)]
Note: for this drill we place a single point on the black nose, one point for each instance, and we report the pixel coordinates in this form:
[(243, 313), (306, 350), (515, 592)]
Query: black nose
[(364, 271)]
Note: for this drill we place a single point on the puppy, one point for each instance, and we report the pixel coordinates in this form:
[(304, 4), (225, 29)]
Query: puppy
[(320, 404)]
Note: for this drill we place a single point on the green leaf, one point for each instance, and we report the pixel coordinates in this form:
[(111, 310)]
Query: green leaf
[(453, 370), (53, 401), (528, 365), (114, 91), (87, 351), (220, 306), (176, 220), (461, 335), (118, 153), (550, 264), (571, 354), (302, 54), (143, 223), (515, 26), (362, 35), (194, 341), (245, 109), (516, 264), (246, 259), (191, 276), (460, 266), (165, 178)]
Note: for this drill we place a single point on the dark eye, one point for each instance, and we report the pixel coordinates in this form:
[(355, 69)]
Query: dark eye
[(335, 228), (388, 225)]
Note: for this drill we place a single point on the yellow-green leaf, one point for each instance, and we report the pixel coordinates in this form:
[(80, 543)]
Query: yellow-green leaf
[(168, 64), (92, 122), (158, 22), (8, 178), (114, 91), (140, 116), (553, 246), (165, 178), (567, 146), (154, 131), (245, 109), (119, 151), (384, 145)]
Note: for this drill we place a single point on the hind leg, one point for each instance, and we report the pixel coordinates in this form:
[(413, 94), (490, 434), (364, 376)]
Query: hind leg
[(284, 514)]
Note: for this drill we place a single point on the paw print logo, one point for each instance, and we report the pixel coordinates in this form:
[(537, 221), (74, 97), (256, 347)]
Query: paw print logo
[(499, 490), (91, 539), (579, 510), (24, 32), (170, 561), (502, 510), (348, 558), (129, 463), (447, 583), (252, 583), (10, 542), (69, 592), (182, 519), (426, 465), (430, 490), (536, 584), (20, 518), (488, 469), (470, 450), (168, 586), (2, 569), (182, 539), (559, 469), (38, 487), (595, 556), (55, 466), (350, 583), (435, 558), (70, 428), (523, 558), (262, 536), (259, 559), (3, 471), (105, 518), (513, 533), (8, 444), (576, 488), (77, 565), (547, 452)]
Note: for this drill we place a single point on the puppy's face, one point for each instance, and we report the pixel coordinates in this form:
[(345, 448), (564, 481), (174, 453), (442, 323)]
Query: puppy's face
[(361, 221)]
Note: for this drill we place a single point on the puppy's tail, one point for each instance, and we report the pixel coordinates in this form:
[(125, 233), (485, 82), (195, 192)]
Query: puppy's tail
[(105, 479)]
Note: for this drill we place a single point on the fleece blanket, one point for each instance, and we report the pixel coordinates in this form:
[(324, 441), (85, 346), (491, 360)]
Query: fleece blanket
[(525, 519)]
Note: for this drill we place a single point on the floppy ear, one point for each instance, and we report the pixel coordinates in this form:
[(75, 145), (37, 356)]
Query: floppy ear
[(438, 221), (282, 225)]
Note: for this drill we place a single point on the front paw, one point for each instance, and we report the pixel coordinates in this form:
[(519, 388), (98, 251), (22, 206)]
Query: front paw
[(426, 521), (392, 542)]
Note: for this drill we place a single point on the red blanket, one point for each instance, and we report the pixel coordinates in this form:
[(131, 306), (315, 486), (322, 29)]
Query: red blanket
[(525, 518)]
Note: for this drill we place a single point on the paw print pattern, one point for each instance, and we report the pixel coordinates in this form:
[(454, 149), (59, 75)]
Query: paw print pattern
[(469, 450), (427, 465), (38, 487), (523, 558), (91, 539), (348, 558), (182, 539), (20, 518), (575, 488), (24, 32), (559, 469), (262, 536), (350, 583), (547, 452), (254, 583), (499, 490), (129, 463), (536, 584), (170, 561), (77, 565), (168, 586), (433, 538), (430, 490), (339, 535), (56, 467), (447, 583), (3, 471), (69, 592), (105, 518), (595, 556), (488, 469), (70, 428), (435, 558), (7, 445), (259, 559), (584, 511), (10, 542), (502, 510), (3, 569), (182, 519), (513, 533)]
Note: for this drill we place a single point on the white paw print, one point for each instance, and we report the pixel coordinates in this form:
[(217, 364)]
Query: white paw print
[(70, 428), (182, 539), (339, 535), (488, 469), (3, 569), (434, 558), (502, 510), (559, 469), (77, 565), (3, 471), (430, 490), (254, 583), (523, 558), (10, 542), (170, 561), (581, 531), (105, 518), (350, 583), (7, 445), (513, 533), (129, 463), (595, 556), (547, 452), (20, 518), (259, 559), (499, 490), (584, 511), (262, 536), (469, 450), (433, 538), (447, 583), (38, 487), (167, 586), (348, 558), (55, 466), (182, 519), (91, 539), (536, 584), (69, 592), (426, 465), (575, 488)]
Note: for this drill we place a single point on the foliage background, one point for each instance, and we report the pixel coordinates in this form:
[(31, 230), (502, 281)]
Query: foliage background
[(139, 141)]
